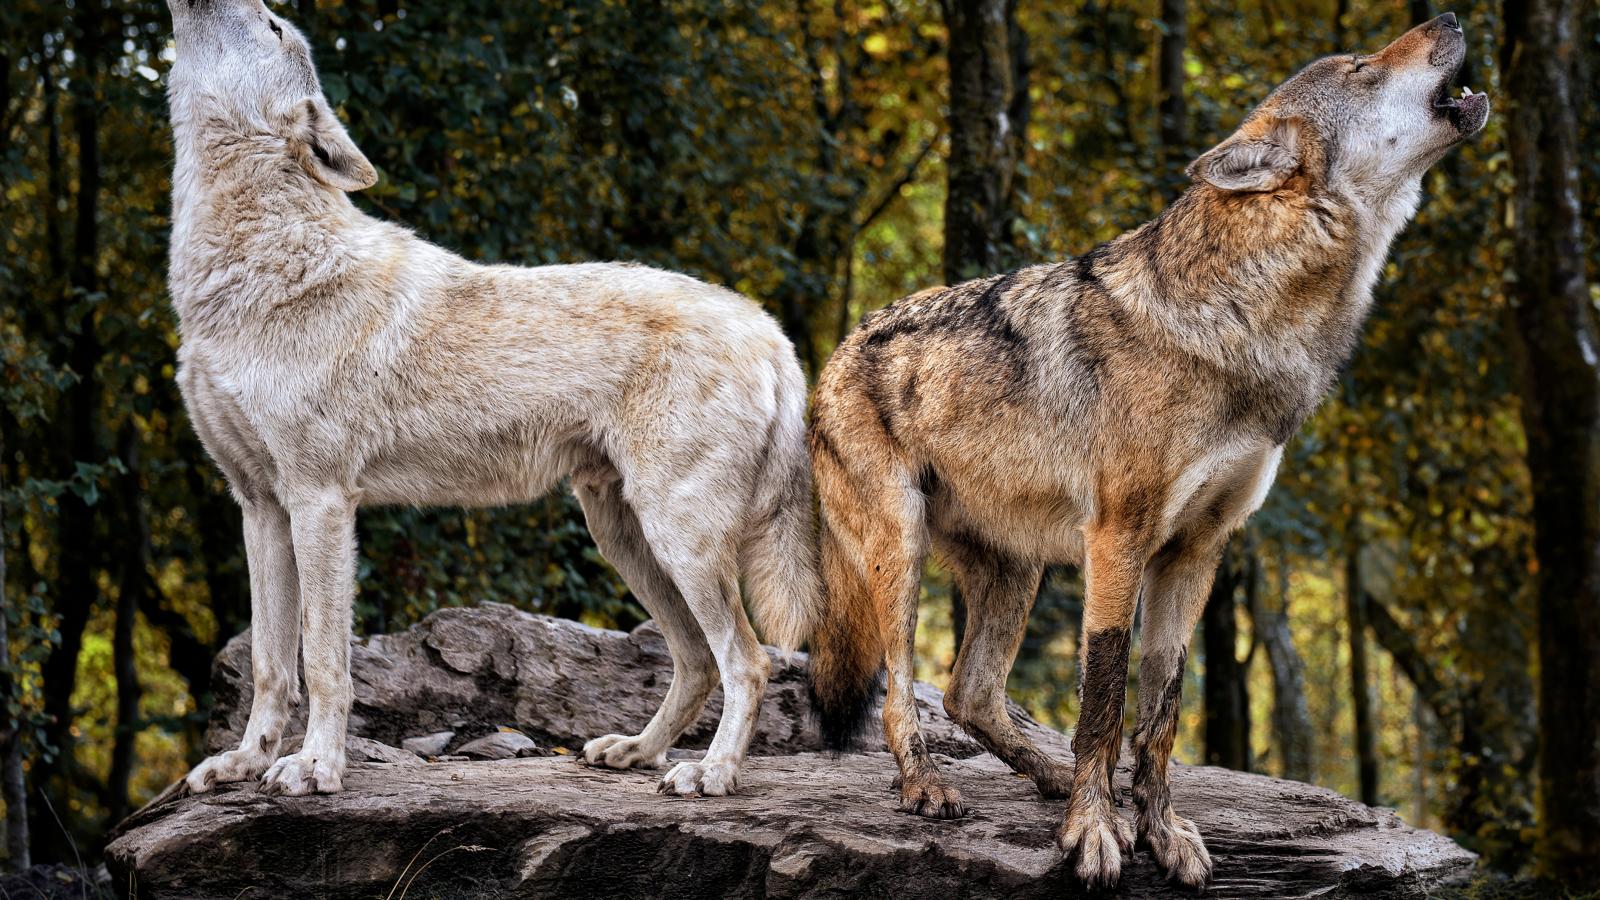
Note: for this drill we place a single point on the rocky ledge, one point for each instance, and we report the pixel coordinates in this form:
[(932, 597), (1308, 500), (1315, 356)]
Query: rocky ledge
[(487, 801)]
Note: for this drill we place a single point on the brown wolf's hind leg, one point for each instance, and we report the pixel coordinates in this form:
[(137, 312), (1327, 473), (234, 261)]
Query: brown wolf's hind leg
[(999, 592), (894, 576), (1177, 589)]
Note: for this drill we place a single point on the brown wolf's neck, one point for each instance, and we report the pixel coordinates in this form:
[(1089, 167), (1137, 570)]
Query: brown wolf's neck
[(1269, 283)]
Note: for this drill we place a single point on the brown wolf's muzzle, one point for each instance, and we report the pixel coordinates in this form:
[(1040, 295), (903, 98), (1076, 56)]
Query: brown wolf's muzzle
[(1441, 44)]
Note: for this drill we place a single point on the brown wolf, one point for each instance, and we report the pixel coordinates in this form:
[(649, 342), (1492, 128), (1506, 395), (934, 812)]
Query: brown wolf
[(1124, 411), (331, 360)]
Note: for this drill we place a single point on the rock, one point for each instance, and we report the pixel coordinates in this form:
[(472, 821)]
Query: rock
[(428, 744), (471, 670), (500, 745), (804, 824)]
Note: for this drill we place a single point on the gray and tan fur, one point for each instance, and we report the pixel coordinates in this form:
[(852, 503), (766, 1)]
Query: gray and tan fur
[(330, 360), (1123, 411)]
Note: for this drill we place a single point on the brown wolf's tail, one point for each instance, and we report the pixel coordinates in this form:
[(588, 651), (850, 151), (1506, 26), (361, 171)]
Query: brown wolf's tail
[(846, 651), (846, 646), (779, 554)]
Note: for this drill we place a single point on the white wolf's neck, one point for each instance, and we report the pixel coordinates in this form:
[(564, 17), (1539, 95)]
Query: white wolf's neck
[(250, 231)]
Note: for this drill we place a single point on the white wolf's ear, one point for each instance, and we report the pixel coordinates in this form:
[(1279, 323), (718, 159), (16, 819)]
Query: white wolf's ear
[(322, 146), (1261, 156)]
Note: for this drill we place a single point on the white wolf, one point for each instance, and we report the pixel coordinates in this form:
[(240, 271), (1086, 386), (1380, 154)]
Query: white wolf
[(331, 360)]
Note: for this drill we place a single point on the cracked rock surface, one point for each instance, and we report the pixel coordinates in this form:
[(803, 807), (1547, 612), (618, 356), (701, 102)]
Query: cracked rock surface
[(804, 824)]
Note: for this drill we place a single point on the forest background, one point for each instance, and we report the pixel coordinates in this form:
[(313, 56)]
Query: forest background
[(1413, 619)]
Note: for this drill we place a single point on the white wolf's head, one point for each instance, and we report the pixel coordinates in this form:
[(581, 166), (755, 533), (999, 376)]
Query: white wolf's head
[(1370, 122), (245, 75)]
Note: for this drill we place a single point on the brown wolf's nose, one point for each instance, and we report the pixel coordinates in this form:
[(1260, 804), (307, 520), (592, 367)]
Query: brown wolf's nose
[(1449, 20)]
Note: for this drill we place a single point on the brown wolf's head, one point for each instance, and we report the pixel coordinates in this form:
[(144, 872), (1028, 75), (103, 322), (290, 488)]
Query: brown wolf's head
[(244, 73), (1364, 122)]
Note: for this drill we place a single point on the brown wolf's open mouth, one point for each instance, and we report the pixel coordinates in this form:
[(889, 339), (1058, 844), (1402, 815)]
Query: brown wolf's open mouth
[(1467, 111)]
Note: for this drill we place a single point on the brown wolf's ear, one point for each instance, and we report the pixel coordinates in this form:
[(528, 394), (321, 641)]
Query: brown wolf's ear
[(1260, 156), (325, 150)]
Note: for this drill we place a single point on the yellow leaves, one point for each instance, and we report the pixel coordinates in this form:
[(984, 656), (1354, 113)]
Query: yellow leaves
[(876, 44)]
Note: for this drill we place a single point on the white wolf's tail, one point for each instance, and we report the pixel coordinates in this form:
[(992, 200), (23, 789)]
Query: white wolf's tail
[(779, 555)]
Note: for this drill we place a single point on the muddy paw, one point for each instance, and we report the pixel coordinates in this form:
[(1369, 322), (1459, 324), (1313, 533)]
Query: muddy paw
[(703, 778), (1180, 852), (234, 765), (1095, 837), (931, 799), (303, 773), (617, 751)]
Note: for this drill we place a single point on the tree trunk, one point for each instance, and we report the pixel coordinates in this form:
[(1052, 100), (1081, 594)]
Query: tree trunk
[(13, 790), (1292, 731), (1559, 350), (985, 143), (1355, 606), (76, 589), (1174, 110), (134, 578), (1227, 697)]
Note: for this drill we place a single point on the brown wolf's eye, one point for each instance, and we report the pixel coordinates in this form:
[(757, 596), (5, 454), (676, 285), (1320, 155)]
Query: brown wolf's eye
[(1357, 63)]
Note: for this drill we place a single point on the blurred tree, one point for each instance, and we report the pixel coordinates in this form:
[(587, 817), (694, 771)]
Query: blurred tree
[(1559, 344), (987, 123), (1291, 726), (1227, 690), (1174, 109), (13, 788)]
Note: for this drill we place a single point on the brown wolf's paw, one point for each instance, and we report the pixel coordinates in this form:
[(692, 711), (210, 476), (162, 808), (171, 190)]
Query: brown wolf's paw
[(1096, 837), (703, 778), (1180, 852), (234, 765), (617, 751), (930, 798), (303, 773)]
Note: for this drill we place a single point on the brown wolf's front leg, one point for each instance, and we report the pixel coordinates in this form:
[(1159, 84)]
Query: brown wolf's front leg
[(1178, 587), (1093, 833)]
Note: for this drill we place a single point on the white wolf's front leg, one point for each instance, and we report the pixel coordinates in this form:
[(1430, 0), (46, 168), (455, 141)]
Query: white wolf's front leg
[(274, 645), (323, 525)]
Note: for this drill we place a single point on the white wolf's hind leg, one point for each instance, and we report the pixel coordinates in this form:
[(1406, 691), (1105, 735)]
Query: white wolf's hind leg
[(274, 646), (702, 561), (323, 526), (616, 532)]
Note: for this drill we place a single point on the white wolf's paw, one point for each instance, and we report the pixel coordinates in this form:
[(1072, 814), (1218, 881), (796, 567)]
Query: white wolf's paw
[(1097, 837), (234, 765), (304, 773), (703, 778), (1180, 852), (617, 751)]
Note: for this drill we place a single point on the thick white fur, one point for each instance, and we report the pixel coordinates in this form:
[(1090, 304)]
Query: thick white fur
[(330, 360)]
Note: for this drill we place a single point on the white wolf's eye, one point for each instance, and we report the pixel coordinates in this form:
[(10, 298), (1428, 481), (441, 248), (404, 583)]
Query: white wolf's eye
[(276, 29)]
